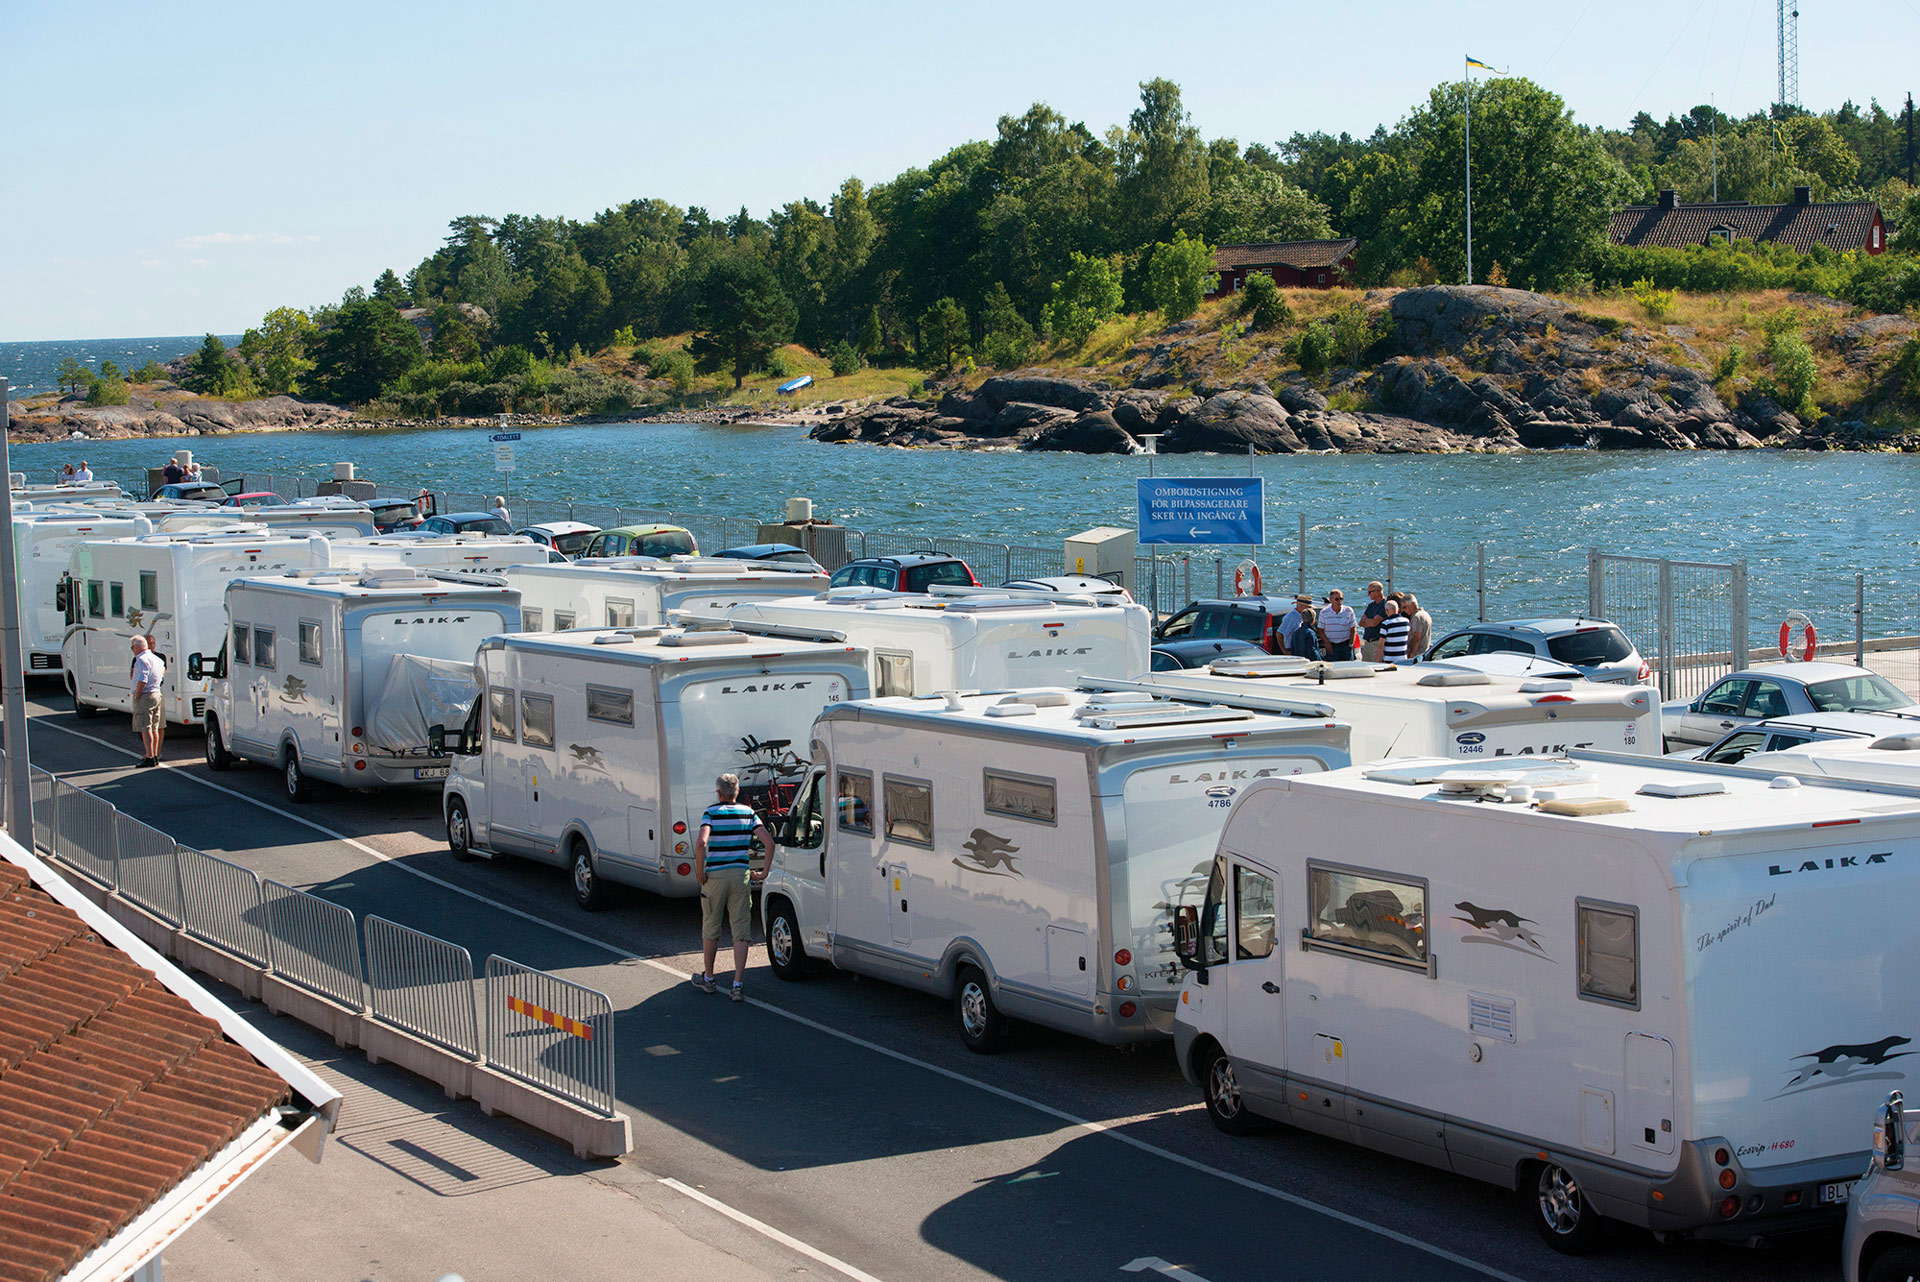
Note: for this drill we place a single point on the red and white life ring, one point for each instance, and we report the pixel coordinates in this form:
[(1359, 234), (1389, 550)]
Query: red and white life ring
[(1246, 578), (1808, 635)]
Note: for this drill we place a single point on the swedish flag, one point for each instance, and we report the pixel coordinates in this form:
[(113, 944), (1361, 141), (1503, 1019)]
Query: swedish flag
[(1475, 62)]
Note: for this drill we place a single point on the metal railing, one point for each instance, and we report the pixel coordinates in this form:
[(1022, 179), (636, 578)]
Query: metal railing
[(551, 1033), (548, 1032)]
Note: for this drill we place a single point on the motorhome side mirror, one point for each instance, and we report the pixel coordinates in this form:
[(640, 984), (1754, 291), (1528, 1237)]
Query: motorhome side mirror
[(1186, 936), (196, 669), (1893, 1133), (436, 739)]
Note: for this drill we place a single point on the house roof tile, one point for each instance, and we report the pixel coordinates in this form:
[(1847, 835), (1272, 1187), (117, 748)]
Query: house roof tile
[(112, 1087), (1297, 254), (1839, 226)]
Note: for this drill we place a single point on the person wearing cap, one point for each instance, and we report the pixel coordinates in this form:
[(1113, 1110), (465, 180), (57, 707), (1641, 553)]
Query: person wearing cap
[(1294, 621), (1337, 624)]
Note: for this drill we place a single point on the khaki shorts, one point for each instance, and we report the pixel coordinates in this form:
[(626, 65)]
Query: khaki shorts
[(146, 714), (726, 894)]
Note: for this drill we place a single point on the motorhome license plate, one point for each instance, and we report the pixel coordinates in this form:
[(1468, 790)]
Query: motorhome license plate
[(1834, 1193), (430, 772)]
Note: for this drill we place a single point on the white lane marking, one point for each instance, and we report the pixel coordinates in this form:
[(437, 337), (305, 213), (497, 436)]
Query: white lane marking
[(1085, 1124), (784, 1239), (1159, 1265)]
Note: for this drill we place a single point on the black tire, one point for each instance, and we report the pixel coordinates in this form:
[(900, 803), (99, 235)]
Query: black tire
[(218, 758), (589, 891), (982, 1027), (81, 709), (1226, 1108), (459, 831), (786, 952), (1564, 1218), (1900, 1264), (294, 779)]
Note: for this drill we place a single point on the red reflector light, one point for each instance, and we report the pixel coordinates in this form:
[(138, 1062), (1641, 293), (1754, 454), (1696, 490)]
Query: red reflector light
[(1554, 698), (684, 869), (356, 732), (1721, 1157), (360, 765), (1127, 1010), (1053, 625), (679, 826), (1123, 958), (1727, 1179), (1835, 823), (1729, 1207), (1792, 1198)]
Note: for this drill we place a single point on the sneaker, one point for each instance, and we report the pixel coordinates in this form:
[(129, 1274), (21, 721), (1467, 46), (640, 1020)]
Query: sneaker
[(148, 761), (705, 983), (739, 993)]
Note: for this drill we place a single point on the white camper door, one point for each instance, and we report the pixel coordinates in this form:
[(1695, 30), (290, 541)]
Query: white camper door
[(1254, 975), (1649, 1093)]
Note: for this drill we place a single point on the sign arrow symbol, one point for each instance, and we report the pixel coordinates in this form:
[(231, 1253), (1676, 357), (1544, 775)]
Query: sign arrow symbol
[(1197, 530), (1155, 1264)]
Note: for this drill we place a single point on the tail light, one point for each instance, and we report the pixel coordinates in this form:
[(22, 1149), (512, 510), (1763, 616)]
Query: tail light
[(685, 870), (1721, 1157), (1729, 1207), (1727, 1179), (1127, 1010), (1554, 698), (360, 764), (679, 827), (1646, 671), (356, 732), (1123, 958)]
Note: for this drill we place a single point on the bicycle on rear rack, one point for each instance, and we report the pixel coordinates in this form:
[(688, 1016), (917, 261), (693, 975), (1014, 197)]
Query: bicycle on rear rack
[(772, 776)]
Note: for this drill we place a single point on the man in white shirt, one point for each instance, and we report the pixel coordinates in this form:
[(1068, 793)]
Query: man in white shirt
[(1337, 624), (148, 674), (500, 509), (83, 475)]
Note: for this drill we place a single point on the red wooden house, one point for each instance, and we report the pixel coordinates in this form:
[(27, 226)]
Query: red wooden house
[(1302, 264)]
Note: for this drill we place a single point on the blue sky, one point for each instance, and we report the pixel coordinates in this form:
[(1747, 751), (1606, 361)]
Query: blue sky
[(185, 167)]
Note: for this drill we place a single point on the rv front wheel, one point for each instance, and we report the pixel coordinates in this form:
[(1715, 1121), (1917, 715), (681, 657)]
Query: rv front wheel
[(588, 890), (1566, 1220), (1224, 1103), (80, 709), (785, 952), (459, 830), (218, 758), (1901, 1264), (982, 1026)]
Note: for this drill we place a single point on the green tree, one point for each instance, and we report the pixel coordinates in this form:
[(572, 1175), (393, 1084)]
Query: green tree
[(73, 374), (1089, 295), (1262, 303), (740, 315), (1162, 164), (943, 334), (210, 371), (1180, 275), (108, 370), (277, 350), (150, 372), (368, 347), (454, 339), (843, 359), (107, 390), (388, 289), (1007, 338), (1259, 205), (872, 337)]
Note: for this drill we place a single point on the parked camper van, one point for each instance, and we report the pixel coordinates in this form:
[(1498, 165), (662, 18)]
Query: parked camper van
[(339, 674), (1893, 757), (173, 586), (643, 591), (438, 553), (1632, 989), (1434, 710), (597, 749), (1020, 853), (980, 640), (42, 545)]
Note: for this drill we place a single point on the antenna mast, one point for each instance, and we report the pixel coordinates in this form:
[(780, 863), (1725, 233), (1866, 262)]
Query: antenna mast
[(1787, 22)]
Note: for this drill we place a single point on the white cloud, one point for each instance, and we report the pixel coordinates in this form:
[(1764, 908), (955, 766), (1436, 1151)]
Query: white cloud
[(206, 239), (152, 262)]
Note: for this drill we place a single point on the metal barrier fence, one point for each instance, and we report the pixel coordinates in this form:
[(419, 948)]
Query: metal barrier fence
[(551, 1033), (1688, 618), (313, 942), (422, 985)]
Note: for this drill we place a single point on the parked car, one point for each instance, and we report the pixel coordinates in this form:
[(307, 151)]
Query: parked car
[(774, 554), (642, 540), (1597, 648), (1770, 690), (568, 538), (395, 516), (464, 523), (1171, 656), (1081, 584), (1790, 732), (256, 498), (1882, 1238), (1241, 618), (192, 492), (913, 572)]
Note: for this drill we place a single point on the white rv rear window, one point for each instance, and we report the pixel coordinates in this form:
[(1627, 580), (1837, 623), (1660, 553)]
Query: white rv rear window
[(536, 720), (263, 648), (500, 723), (310, 642), (619, 614), (853, 802), (1019, 796), (1368, 912), (607, 704), (532, 620), (895, 671), (242, 644), (909, 811), (1609, 953), (149, 590)]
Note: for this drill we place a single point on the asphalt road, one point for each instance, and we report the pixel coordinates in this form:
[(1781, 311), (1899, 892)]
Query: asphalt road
[(846, 1113)]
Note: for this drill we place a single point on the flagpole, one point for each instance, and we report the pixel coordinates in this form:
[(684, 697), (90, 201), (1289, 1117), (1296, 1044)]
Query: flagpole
[(1466, 73)]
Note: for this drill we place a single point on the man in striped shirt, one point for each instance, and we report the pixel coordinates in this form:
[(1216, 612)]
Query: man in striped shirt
[(723, 863), (1394, 629)]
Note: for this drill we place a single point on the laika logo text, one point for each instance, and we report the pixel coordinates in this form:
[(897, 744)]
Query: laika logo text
[(1828, 865), (766, 687), (1844, 1063), (432, 618), (1058, 652), (988, 853)]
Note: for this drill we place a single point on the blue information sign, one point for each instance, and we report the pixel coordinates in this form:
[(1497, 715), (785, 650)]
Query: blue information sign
[(1202, 509), (504, 436)]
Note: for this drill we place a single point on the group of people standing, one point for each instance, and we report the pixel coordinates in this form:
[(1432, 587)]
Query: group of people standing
[(1390, 628)]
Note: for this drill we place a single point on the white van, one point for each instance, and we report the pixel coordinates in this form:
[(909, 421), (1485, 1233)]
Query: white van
[(643, 591), (39, 495), (42, 545), (463, 554), (1022, 854), (1633, 989), (172, 586), (1433, 710), (973, 641), (340, 674), (597, 749), (1892, 757)]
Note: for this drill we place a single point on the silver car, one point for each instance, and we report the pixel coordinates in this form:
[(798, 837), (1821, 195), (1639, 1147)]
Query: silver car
[(1769, 690), (1600, 650), (1781, 733)]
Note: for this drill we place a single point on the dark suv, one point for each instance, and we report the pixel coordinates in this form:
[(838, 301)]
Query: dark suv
[(914, 572), (1240, 618)]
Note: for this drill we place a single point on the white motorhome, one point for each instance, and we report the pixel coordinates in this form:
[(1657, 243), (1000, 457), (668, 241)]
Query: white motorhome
[(42, 545), (339, 675), (643, 591), (38, 495), (1634, 989), (597, 749), (1433, 710), (1892, 758), (462, 554), (922, 643), (172, 586), (1023, 854)]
